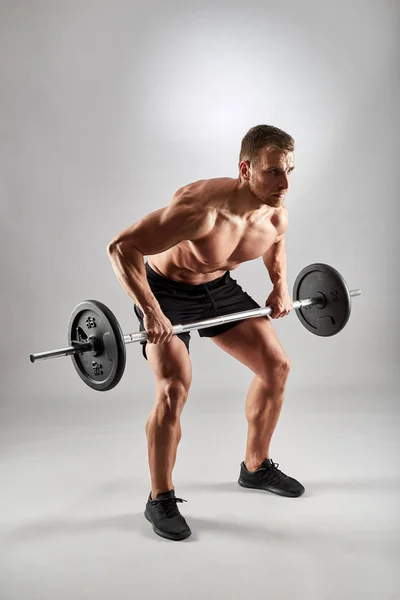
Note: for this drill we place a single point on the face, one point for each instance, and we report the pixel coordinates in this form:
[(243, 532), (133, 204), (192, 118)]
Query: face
[(268, 179)]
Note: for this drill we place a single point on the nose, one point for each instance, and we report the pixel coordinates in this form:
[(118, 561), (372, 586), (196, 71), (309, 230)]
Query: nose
[(284, 182)]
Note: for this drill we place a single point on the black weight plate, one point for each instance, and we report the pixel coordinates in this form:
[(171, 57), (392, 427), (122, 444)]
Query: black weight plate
[(103, 371), (322, 279)]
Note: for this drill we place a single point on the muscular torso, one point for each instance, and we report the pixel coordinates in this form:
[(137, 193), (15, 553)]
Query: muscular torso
[(229, 239)]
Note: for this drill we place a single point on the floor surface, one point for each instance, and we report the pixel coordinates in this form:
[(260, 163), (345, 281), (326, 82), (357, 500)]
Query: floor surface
[(75, 482)]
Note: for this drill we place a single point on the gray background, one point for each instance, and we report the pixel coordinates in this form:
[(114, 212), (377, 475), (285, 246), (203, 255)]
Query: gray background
[(106, 109)]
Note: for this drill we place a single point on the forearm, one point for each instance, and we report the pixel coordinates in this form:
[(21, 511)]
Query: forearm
[(276, 263), (128, 264)]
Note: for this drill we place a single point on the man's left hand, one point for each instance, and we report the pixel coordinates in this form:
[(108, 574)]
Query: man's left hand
[(280, 302)]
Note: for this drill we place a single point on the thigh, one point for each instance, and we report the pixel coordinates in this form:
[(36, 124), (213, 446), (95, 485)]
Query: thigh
[(170, 362), (185, 337), (254, 343)]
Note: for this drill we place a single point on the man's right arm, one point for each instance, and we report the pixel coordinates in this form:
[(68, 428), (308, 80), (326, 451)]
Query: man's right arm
[(158, 231)]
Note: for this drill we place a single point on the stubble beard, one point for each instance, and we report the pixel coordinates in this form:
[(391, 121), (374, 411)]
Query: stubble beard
[(269, 200)]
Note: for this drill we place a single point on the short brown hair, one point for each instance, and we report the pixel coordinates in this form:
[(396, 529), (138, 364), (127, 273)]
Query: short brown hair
[(264, 136)]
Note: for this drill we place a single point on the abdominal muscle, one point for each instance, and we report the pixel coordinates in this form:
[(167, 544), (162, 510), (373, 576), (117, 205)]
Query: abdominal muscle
[(230, 242), (184, 266)]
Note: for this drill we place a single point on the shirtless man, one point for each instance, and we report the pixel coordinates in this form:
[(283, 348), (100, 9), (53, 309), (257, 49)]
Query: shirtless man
[(209, 229)]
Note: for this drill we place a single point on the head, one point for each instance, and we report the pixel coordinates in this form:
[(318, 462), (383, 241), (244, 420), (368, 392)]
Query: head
[(265, 163)]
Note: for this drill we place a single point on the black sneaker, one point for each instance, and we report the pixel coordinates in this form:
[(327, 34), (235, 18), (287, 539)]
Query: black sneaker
[(165, 517), (268, 477)]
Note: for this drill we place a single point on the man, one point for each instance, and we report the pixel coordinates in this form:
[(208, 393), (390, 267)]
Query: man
[(210, 228)]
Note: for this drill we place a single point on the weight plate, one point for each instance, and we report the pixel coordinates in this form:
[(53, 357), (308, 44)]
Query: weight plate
[(321, 279), (101, 370)]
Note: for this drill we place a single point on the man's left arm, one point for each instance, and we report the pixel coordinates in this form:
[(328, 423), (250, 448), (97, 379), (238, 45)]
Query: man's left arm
[(275, 261)]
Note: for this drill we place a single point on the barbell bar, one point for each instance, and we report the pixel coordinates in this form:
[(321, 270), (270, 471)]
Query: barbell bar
[(141, 336), (94, 331)]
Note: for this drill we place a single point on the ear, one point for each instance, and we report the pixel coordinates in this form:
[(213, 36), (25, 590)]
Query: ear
[(244, 169)]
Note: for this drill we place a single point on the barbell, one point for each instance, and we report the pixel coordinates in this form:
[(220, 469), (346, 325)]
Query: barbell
[(322, 301)]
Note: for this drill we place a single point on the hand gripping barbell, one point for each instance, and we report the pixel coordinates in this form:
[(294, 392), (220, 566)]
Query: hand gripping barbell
[(322, 301)]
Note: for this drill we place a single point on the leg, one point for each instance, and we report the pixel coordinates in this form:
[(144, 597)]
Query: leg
[(255, 343), (173, 371)]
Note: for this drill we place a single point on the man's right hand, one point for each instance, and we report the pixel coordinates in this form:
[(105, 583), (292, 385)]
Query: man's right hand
[(158, 327)]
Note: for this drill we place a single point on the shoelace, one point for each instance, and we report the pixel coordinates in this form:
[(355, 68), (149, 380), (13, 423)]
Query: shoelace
[(166, 507), (272, 473)]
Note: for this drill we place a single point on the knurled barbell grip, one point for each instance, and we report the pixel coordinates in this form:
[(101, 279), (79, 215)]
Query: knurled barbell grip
[(245, 314)]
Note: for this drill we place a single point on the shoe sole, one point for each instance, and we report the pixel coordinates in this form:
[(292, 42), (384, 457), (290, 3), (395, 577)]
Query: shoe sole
[(163, 534), (271, 489)]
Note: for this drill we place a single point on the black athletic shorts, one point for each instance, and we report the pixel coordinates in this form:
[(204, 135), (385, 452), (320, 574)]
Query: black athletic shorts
[(186, 303)]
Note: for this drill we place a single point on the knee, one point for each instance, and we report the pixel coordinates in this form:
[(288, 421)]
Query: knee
[(286, 364), (171, 398), (281, 367), (277, 370)]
